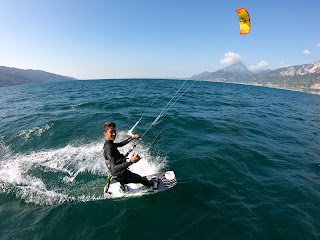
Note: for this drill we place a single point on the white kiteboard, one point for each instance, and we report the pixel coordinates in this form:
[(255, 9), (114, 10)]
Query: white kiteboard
[(166, 180)]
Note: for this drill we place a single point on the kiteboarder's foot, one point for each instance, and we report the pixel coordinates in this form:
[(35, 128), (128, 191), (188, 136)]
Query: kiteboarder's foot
[(123, 187)]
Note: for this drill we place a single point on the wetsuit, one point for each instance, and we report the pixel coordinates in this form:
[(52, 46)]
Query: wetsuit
[(118, 166)]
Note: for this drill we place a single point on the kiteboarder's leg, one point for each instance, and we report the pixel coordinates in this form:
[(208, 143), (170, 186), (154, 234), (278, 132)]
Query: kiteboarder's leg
[(130, 177)]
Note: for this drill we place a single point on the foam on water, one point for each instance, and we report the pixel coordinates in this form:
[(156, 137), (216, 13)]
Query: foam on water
[(36, 131), (4, 149), (76, 172)]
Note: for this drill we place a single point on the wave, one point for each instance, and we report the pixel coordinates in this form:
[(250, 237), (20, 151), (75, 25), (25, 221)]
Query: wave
[(72, 173)]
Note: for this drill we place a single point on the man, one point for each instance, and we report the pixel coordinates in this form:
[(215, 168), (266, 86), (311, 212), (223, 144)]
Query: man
[(116, 162)]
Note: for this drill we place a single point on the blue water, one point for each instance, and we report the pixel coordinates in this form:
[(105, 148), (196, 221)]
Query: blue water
[(246, 158)]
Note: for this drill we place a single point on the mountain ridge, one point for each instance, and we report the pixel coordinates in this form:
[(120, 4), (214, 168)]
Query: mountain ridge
[(14, 76), (304, 78)]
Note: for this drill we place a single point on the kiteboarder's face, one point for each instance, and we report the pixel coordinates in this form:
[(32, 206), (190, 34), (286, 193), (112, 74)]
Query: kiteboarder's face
[(110, 134)]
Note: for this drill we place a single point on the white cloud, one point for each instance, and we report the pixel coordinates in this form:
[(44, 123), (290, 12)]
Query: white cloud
[(259, 66), (230, 58), (318, 44), (282, 64), (306, 52)]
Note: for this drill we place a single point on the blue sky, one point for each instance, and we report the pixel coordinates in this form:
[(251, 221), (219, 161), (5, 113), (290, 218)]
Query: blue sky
[(144, 38)]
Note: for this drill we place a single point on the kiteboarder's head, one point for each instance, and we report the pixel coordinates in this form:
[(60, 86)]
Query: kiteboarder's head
[(109, 131)]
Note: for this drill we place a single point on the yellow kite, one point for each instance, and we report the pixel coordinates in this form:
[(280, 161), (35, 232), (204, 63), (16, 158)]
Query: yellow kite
[(244, 21)]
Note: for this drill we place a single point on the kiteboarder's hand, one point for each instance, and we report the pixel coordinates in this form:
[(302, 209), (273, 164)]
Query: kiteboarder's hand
[(135, 136), (135, 158)]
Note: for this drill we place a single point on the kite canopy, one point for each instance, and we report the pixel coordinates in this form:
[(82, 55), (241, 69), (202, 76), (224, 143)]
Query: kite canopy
[(244, 21)]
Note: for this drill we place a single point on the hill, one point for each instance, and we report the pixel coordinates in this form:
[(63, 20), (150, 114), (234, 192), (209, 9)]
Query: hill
[(14, 76), (304, 78)]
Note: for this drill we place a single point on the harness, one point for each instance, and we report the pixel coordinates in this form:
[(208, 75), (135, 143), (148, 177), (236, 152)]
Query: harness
[(106, 187)]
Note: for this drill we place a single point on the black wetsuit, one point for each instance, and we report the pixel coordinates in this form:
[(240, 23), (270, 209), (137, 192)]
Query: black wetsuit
[(118, 166)]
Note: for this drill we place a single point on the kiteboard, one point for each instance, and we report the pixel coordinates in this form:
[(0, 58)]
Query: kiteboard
[(166, 180)]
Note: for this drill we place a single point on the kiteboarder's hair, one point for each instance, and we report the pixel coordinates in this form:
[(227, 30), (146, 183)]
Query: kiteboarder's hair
[(108, 125)]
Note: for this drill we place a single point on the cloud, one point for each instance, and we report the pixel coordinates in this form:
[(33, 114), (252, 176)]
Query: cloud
[(282, 64), (318, 44), (230, 58), (306, 52), (259, 66)]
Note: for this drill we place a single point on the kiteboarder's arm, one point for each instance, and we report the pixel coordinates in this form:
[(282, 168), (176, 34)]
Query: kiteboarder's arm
[(121, 144), (119, 167), (113, 166)]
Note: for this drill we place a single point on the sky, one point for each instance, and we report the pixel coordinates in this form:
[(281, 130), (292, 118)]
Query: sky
[(100, 39)]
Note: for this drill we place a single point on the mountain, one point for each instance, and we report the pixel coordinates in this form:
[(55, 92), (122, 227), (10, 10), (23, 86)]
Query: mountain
[(301, 70), (237, 67), (304, 78), (15, 76)]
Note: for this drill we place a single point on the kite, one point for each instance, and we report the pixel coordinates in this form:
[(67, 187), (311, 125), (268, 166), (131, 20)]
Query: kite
[(244, 21)]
